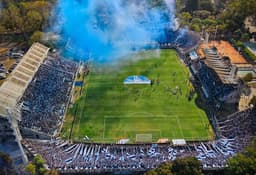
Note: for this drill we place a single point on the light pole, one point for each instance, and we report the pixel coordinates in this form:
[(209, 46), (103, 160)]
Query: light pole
[(215, 35)]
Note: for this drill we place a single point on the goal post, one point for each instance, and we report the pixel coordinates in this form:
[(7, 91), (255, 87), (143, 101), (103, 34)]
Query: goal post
[(143, 138)]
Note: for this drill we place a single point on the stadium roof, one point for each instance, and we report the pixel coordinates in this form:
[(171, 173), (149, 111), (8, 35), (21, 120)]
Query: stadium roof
[(137, 79), (15, 85)]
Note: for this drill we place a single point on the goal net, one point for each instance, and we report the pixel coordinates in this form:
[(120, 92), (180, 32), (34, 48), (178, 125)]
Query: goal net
[(142, 138)]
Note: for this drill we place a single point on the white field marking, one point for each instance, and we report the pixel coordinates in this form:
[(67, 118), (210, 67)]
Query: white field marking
[(129, 116), (81, 111), (178, 122), (199, 112), (141, 116), (104, 126)]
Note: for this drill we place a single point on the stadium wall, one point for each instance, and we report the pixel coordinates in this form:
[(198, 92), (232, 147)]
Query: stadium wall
[(33, 134)]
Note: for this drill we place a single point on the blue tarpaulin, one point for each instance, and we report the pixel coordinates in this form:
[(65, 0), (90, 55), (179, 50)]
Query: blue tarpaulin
[(79, 83)]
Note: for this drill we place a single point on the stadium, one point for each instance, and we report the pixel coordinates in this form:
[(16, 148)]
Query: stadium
[(170, 99), (124, 131)]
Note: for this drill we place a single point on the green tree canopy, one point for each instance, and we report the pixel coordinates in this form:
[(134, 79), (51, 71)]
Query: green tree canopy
[(189, 165), (36, 167), (33, 21), (6, 164), (236, 11), (248, 77), (31, 169), (202, 14), (51, 172), (243, 163), (165, 168), (37, 36), (184, 166)]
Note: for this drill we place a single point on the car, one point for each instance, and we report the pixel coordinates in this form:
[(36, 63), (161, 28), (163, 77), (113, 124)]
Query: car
[(16, 55)]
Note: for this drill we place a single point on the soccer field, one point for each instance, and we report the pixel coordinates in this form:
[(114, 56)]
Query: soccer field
[(108, 110)]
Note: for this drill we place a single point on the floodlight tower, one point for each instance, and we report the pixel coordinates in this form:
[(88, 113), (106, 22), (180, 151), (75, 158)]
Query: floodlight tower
[(207, 35)]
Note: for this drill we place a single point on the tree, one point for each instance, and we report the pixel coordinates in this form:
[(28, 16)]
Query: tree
[(11, 17), (40, 6), (243, 163), (196, 21), (31, 169), (25, 17), (195, 27), (2, 28), (206, 5), (36, 167), (202, 14), (184, 18), (37, 35), (6, 164), (163, 169), (236, 11), (183, 166), (196, 24), (248, 77), (209, 22), (51, 172), (189, 165), (253, 101), (245, 37), (33, 21), (39, 162), (192, 5)]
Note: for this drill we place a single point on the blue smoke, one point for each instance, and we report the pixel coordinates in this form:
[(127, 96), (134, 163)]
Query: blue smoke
[(0, 8), (109, 29)]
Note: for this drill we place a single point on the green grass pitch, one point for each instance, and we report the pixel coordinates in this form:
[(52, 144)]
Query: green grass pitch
[(108, 110)]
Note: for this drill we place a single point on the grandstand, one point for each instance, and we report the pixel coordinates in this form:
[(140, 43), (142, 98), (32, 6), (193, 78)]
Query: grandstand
[(10, 93), (33, 99), (222, 67), (44, 102), (69, 157), (217, 77), (13, 88)]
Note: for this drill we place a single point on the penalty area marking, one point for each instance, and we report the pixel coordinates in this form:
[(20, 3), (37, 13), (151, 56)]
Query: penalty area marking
[(134, 117)]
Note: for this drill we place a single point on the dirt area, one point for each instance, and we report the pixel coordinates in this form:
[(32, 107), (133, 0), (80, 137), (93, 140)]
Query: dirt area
[(224, 49)]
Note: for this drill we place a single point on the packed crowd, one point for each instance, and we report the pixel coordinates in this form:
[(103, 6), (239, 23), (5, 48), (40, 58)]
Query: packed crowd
[(80, 157), (239, 124), (216, 76), (68, 157), (8, 142), (222, 66), (45, 100), (187, 42), (184, 41), (212, 85)]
